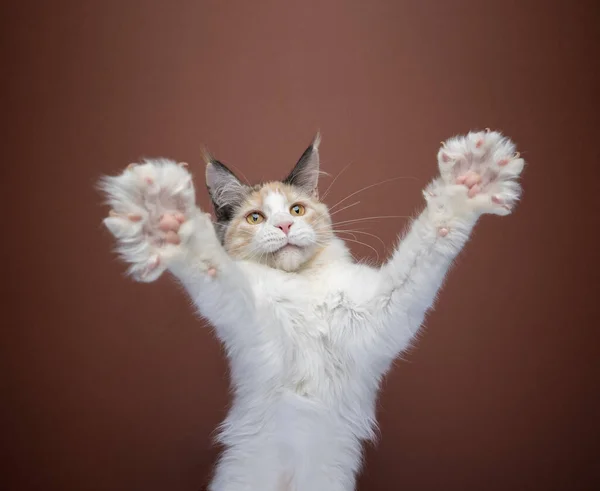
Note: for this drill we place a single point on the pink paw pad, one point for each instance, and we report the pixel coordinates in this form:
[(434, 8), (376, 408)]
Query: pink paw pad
[(169, 223), (172, 238), (474, 190), (472, 178)]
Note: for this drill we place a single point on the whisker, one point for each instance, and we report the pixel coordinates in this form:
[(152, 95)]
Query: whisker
[(371, 186), (345, 208), (254, 254), (346, 232), (371, 218), (364, 233), (333, 182), (366, 245)]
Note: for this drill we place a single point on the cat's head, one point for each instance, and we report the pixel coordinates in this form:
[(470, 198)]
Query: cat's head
[(281, 224)]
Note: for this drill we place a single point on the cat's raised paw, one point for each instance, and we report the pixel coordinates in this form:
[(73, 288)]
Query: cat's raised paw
[(150, 204), (486, 165)]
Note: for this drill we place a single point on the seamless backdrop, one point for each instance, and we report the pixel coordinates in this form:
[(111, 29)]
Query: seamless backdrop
[(108, 385)]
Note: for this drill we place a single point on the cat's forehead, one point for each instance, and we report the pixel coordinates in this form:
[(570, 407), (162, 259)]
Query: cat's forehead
[(272, 196), (275, 201)]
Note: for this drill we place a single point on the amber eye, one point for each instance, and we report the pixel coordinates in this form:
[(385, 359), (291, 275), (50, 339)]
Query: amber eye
[(255, 218), (297, 210)]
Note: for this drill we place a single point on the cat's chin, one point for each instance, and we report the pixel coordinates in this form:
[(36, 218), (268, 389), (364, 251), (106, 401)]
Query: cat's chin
[(290, 257)]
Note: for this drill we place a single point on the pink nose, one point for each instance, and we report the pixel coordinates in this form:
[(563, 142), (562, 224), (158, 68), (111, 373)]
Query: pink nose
[(285, 227)]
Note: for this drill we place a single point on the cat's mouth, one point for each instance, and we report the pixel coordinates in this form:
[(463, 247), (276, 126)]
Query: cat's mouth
[(288, 247)]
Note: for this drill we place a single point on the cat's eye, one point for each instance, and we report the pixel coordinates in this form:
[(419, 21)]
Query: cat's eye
[(255, 218), (297, 210)]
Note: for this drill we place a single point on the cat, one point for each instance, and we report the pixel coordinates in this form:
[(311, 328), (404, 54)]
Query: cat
[(308, 331)]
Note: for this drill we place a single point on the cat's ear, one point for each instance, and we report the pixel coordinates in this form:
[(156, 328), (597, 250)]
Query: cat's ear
[(226, 191), (305, 174)]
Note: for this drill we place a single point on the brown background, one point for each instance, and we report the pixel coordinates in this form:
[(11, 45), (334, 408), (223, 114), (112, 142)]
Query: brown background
[(111, 385)]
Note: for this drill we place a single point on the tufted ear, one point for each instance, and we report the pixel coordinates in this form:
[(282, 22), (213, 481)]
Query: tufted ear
[(305, 174), (226, 191)]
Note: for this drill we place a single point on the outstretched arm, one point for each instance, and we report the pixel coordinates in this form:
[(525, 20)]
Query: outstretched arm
[(158, 227), (478, 175)]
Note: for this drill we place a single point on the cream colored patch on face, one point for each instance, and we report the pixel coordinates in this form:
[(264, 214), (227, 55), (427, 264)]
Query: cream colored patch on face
[(237, 238)]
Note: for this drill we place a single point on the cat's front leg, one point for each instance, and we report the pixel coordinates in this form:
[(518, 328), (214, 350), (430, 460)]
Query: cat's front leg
[(478, 175), (158, 227)]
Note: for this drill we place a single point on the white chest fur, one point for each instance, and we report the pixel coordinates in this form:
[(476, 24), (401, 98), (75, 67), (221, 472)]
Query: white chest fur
[(306, 326)]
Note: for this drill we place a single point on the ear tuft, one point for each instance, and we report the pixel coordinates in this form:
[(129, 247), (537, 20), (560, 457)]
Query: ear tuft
[(305, 174), (317, 140)]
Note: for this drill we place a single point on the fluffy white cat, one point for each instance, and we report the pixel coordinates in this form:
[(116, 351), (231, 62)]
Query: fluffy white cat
[(308, 332)]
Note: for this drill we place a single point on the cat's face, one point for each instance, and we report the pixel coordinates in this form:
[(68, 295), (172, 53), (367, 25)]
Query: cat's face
[(280, 224)]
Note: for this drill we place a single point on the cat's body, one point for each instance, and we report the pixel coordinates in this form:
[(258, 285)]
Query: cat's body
[(308, 331), (303, 392)]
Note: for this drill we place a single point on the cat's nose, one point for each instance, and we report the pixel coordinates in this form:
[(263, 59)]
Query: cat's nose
[(284, 227)]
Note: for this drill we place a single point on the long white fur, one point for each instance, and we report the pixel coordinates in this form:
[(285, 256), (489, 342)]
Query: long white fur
[(307, 350)]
